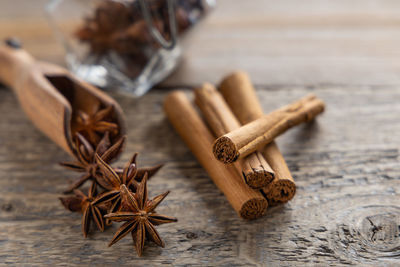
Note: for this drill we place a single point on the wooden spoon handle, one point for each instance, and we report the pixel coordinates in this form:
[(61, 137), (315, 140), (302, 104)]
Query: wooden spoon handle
[(13, 62), (43, 104)]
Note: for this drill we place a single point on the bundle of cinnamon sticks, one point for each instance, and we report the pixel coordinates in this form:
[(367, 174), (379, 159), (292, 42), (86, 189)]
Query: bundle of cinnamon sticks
[(235, 144)]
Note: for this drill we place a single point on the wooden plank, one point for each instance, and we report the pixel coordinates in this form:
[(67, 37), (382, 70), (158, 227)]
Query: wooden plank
[(346, 166), (284, 42), (278, 42)]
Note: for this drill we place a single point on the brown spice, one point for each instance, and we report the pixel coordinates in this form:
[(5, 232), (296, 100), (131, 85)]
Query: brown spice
[(256, 134), (86, 161), (112, 182), (282, 188), (94, 125), (119, 28), (240, 95), (248, 203), (85, 204), (140, 216), (149, 170), (256, 171)]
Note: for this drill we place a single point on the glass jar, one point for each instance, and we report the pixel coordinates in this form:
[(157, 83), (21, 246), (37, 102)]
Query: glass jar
[(128, 45)]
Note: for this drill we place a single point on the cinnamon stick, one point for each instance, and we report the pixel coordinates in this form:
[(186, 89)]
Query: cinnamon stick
[(240, 95), (248, 203), (255, 170), (256, 134)]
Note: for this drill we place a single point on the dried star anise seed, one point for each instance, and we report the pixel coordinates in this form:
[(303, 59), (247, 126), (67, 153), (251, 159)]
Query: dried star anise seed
[(85, 204), (119, 28), (86, 161), (112, 182), (72, 203), (109, 17), (140, 217), (95, 124), (149, 170), (140, 171)]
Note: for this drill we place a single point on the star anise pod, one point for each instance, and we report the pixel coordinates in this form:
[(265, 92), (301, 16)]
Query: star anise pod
[(140, 216), (109, 17), (95, 124), (86, 161), (111, 181), (141, 171), (86, 205), (149, 171)]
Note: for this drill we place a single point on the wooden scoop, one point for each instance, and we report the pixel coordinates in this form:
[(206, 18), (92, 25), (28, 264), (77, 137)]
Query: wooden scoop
[(50, 95)]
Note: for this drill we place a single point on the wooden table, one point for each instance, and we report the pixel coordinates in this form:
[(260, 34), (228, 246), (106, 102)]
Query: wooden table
[(346, 165)]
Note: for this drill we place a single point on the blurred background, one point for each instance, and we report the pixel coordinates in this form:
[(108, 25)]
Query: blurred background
[(292, 42)]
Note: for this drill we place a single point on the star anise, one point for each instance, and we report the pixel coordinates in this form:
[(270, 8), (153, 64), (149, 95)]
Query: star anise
[(86, 161), (142, 171), (111, 181), (95, 124), (87, 205), (140, 216), (109, 17)]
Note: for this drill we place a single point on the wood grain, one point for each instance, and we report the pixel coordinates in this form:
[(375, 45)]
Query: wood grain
[(281, 42), (277, 42), (346, 165)]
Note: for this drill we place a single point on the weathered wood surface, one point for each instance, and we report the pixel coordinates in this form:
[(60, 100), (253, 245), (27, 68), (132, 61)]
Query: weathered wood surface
[(346, 209), (346, 164)]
